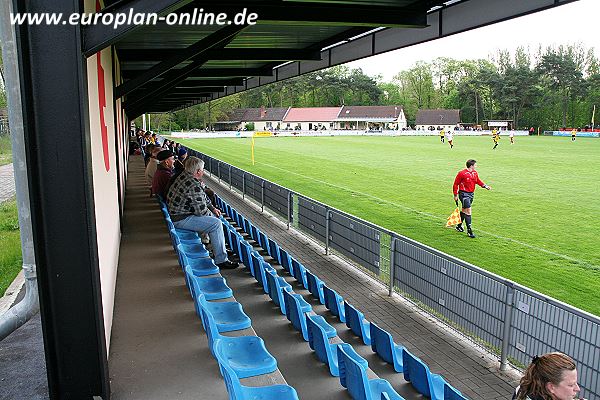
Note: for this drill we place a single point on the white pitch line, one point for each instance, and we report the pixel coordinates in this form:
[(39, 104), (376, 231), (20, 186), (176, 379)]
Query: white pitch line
[(436, 217)]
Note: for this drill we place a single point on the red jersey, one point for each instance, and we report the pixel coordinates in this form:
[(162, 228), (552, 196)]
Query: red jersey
[(466, 180)]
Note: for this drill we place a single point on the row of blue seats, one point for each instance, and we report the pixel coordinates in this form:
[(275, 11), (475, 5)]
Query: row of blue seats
[(238, 357), (313, 327)]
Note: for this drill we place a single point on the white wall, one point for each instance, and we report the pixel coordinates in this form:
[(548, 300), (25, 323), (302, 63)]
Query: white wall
[(104, 169)]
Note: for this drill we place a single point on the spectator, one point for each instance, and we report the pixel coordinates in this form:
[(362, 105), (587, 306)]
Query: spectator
[(152, 165), (181, 156), (148, 153), (163, 174), (190, 209), (552, 376)]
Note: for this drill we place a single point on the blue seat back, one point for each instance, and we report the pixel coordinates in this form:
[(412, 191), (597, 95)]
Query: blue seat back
[(254, 233), (272, 286), (382, 343), (353, 376), (313, 284), (210, 326), (353, 319), (232, 382), (246, 251), (255, 259), (317, 339), (285, 260), (416, 372), (298, 271), (450, 393), (292, 310), (263, 241), (274, 250), (247, 225), (332, 300)]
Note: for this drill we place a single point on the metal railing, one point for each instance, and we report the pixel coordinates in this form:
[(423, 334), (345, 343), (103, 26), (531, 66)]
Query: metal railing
[(510, 320)]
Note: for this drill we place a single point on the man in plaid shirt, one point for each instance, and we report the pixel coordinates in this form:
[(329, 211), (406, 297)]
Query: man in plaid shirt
[(190, 209)]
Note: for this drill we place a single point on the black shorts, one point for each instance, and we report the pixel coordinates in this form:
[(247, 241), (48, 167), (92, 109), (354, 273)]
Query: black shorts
[(466, 198)]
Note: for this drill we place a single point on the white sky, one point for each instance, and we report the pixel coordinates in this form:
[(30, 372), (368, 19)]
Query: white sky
[(577, 22)]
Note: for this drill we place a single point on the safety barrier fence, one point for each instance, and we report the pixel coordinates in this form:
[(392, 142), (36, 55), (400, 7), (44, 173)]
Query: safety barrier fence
[(510, 320)]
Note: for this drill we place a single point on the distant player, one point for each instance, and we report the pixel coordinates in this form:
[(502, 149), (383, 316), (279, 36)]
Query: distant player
[(495, 138), (450, 138), (573, 135), (511, 135), (442, 135), (463, 189)]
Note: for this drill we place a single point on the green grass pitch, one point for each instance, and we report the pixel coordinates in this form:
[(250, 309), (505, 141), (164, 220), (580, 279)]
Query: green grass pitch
[(539, 226)]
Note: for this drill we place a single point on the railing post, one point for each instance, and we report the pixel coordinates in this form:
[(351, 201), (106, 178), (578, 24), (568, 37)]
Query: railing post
[(243, 185), (230, 177), (289, 209), (327, 219), (219, 170), (509, 304), (210, 167), (392, 265), (262, 196)]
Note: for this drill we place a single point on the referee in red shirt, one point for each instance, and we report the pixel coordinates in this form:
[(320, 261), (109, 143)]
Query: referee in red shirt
[(463, 189)]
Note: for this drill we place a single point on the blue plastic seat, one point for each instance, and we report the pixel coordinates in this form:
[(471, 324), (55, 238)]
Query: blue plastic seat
[(451, 393), (319, 342), (299, 272), (246, 355), (353, 376), (229, 315), (247, 226), (255, 259), (286, 261), (263, 240), (254, 233), (237, 391), (261, 274), (201, 266), (212, 288), (193, 250), (184, 235), (295, 307), (355, 320), (246, 250), (315, 286), (419, 376), (334, 303), (383, 344), (276, 284), (273, 250)]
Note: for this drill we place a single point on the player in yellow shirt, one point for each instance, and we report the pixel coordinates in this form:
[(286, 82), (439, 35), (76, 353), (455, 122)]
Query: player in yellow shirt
[(442, 135), (495, 138), (573, 135)]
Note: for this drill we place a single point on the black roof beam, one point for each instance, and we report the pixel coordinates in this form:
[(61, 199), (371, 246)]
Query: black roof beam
[(312, 13), (99, 36), (227, 54), (194, 51)]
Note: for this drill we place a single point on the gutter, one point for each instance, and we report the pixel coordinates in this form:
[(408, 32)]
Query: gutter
[(29, 305)]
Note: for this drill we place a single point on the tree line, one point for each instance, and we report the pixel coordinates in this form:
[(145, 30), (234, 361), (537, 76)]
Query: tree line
[(550, 88)]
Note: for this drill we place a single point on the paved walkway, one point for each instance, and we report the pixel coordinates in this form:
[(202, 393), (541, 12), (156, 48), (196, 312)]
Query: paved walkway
[(464, 365), (7, 182)]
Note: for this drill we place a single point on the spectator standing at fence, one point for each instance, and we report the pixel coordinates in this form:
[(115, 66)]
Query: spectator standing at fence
[(464, 190), (552, 376), (190, 209), (163, 174)]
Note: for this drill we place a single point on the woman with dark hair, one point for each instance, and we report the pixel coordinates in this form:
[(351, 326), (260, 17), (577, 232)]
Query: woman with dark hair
[(552, 376)]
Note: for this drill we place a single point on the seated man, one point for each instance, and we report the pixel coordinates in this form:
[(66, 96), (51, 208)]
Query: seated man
[(190, 209), (163, 174), (181, 156)]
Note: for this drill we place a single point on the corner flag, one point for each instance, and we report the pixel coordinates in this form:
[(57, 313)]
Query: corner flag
[(454, 218)]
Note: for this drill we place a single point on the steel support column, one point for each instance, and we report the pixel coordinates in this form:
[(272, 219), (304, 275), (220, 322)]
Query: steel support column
[(53, 80)]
